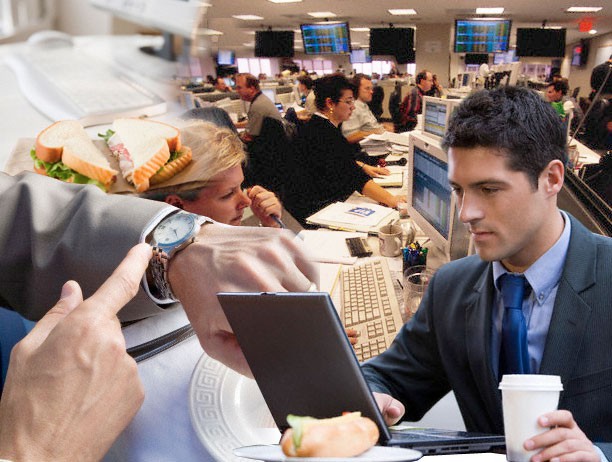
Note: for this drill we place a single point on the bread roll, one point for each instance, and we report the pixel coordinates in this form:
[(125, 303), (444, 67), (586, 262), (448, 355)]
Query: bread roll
[(345, 436)]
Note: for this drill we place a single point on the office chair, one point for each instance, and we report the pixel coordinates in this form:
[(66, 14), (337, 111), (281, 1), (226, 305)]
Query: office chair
[(575, 93), (267, 156), (377, 100)]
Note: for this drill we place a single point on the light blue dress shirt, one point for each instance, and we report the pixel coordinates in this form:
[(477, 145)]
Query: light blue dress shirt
[(543, 277)]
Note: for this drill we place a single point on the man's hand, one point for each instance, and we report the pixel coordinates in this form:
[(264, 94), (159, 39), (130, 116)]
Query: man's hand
[(238, 259), (264, 204), (71, 387), (564, 442), (391, 409)]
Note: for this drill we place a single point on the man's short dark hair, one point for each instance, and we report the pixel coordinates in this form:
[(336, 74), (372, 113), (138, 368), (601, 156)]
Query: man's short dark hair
[(560, 85), (250, 79), (306, 81), (421, 76), (515, 120)]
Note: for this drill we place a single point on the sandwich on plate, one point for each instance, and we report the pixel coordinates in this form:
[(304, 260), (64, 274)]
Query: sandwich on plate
[(65, 151), (148, 152)]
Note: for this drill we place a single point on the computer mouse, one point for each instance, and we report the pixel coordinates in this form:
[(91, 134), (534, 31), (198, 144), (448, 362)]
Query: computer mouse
[(50, 38)]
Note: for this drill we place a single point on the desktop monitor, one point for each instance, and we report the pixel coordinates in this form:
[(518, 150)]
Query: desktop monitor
[(270, 93), (226, 58), (431, 203), (467, 79), (580, 53), (360, 56), (436, 114), (482, 36), (328, 38), (172, 17)]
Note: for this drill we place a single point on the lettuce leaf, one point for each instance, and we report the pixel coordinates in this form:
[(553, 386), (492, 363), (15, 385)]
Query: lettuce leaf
[(107, 136), (297, 424), (173, 156), (60, 171)]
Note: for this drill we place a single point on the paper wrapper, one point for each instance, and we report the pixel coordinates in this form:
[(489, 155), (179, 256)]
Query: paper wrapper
[(189, 178)]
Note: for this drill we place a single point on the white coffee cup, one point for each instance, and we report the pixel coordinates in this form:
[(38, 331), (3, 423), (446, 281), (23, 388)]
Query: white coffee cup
[(525, 397), (390, 240)]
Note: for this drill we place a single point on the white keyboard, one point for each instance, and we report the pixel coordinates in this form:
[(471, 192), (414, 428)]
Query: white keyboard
[(369, 305), (64, 83)]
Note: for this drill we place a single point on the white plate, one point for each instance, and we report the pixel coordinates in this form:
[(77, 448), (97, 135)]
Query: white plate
[(227, 410), (273, 453)]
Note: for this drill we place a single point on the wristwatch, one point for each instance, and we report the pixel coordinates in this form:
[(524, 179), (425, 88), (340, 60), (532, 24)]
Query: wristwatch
[(172, 234)]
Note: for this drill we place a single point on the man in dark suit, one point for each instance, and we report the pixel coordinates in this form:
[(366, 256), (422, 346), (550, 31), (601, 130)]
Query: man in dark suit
[(506, 158)]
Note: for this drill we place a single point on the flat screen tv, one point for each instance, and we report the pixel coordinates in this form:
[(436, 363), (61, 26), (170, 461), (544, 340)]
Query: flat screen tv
[(477, 58), (328, 38), (274, 44), (360, 56), (393, 41), (226, 58), (482, 36), (540, 42)]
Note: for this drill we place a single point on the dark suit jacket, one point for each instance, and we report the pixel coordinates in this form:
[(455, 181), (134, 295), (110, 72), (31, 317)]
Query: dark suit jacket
[(447, 343), (52, 231)]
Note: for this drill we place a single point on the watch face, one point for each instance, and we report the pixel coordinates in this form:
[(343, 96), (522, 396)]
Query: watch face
[(174, 229)]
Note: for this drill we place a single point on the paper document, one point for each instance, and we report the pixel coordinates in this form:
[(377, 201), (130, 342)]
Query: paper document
[(328, 246), (353, 217)]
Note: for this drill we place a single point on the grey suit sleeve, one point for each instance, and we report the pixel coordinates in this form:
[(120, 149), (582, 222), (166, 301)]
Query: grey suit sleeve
[(51, 232)]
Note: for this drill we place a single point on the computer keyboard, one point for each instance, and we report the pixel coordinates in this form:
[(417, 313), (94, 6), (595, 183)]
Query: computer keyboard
[(369, 305), (64, 83)]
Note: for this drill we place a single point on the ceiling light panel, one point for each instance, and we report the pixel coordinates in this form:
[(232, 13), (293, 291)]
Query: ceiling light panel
[(247, 17), (495, 10), (322, 14), (402, 12), (584, 9)]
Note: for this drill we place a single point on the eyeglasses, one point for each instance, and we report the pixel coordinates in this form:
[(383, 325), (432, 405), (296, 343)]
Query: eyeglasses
[(349, 101)]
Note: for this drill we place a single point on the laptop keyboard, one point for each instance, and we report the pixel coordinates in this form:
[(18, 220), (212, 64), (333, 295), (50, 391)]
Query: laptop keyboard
[(369, 305)]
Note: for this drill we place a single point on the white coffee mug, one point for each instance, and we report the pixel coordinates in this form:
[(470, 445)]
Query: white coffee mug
[(390, 240)]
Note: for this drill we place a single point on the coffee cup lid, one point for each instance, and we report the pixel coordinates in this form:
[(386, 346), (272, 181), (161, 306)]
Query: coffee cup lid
[(531, 382)]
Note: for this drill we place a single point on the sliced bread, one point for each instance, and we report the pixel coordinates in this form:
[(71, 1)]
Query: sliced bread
[(68, 141)]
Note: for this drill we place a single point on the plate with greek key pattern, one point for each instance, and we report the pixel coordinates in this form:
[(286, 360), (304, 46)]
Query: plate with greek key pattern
[(227, 410)]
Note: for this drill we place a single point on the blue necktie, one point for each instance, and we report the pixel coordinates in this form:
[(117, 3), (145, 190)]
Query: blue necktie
[(514, 357)]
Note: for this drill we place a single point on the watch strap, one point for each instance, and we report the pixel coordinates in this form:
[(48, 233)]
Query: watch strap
[(159, 287)]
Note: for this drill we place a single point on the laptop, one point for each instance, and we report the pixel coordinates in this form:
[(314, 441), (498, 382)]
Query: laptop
[(304, 364)]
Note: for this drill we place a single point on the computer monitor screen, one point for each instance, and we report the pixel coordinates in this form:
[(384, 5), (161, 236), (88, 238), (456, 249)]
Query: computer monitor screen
[(226, 58), (173, 17), (270, 93), (436, 112), (540, 42), (274, 43), (476, 58), (228, 81), (482, 36), (431, 204), (505, 58), (332, 38), (466, 79), (393, 41), (360, 56)]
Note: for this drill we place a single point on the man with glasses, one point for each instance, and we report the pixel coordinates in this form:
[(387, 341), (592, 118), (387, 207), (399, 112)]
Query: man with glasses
[(362, 122), (413, 102)]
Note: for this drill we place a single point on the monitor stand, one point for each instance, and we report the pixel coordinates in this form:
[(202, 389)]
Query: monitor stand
[(166, 51)]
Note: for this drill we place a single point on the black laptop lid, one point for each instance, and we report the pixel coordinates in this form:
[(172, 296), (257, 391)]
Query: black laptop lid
[(300, 355)]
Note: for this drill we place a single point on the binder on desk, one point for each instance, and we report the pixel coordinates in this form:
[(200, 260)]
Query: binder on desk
[(344, 216)]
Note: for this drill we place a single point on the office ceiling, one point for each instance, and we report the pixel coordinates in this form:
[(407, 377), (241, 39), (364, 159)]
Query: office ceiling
[(373, 13)]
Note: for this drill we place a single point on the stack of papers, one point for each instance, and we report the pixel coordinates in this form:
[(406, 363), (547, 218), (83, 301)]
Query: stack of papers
[(344, 216), (375, 145), (328, 246), (391, 180)]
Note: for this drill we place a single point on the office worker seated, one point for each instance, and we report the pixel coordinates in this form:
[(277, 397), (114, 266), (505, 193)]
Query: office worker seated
[(412, 104), (362, 121), (221, 86), (322, 167), (556, 93), (507, 155), (213, 180), (260, 106)]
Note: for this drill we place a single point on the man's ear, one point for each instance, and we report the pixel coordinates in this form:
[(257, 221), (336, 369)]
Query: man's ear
[(552, 177), (174, 200)]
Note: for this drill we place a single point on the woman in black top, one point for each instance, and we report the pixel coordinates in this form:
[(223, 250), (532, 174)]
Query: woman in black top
[(322, 168)]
